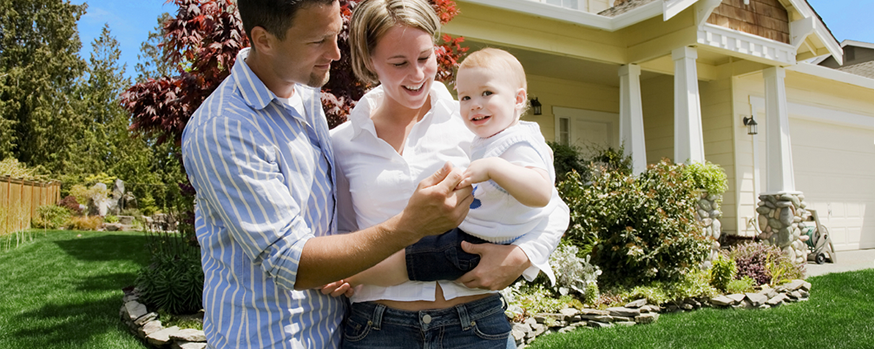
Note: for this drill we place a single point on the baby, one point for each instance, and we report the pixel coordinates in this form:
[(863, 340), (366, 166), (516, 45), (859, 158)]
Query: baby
[(511, 170)]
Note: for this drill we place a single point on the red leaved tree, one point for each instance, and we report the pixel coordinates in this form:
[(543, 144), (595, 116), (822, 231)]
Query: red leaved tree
[(203, 40)]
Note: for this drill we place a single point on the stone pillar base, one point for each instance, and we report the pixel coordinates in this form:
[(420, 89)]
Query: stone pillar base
[(779, 220)]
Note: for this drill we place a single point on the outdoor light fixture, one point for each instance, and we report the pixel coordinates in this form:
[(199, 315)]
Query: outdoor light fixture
[(751, 125), (536, 106)]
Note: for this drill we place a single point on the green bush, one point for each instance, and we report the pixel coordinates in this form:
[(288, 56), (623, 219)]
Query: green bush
[(693, 284), (610, 159), (84, 223), (743, 285), (640, 229), (173, 282), (110, 218), (765, 264), (706, 176), (722, 272), (566, 158), (50, 217)]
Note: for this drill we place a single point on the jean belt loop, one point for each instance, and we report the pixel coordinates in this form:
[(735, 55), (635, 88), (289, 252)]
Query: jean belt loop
[(378, 316), (463, 317)]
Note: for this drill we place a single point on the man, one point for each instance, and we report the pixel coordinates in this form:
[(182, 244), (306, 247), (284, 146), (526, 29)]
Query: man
[(258, 154)]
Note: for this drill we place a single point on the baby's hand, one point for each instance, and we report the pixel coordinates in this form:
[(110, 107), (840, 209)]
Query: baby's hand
[(477, 171), (337, 288)]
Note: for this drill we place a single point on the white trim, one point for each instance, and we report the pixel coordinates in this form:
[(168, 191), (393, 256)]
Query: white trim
[(578, 17), (799, 30), (704, 10), (820, 114), (832, 74), (855, 43), (746, 44), (611, 119), (671, 8), (820, 29)]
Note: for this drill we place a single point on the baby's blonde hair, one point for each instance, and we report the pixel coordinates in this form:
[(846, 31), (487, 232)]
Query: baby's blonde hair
[(498, 60)]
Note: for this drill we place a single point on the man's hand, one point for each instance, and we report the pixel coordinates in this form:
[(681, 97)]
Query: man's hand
[(436, 206), (337, 288), (500, 266)]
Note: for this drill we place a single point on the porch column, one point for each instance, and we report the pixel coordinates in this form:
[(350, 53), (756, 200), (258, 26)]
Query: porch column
[(779, 159), (632, 117), (688, 142)]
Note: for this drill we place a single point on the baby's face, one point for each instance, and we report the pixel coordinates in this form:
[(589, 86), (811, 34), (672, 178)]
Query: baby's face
[(488, 101)]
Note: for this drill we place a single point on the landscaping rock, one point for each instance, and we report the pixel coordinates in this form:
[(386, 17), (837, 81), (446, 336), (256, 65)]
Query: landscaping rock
[(647, 318), (135, 309), (776, 300), (722, 301), (150, 328), (189, 335), (623, 311), (568, 313), (756, 299), (189, 345), (598, 324), (637, 303), (146, 318), (162, 337), (736, 297)]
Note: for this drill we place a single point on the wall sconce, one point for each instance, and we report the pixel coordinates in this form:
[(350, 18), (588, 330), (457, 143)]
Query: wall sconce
[(751, 125), (536, 106)]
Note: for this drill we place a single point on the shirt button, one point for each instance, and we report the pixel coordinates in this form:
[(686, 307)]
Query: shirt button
[(426, 319)]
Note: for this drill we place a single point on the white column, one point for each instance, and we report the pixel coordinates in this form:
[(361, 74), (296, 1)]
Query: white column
[(779, 159), (632, 117), (688, 142)]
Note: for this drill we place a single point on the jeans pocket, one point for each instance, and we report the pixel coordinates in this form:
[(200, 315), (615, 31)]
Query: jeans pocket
[(356, 328), (493, 327)]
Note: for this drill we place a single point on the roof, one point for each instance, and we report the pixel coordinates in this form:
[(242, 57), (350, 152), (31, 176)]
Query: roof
[(862, 69), (624, 7)]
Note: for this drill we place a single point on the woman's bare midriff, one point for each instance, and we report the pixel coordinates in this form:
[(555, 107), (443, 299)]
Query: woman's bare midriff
[(438, 303)]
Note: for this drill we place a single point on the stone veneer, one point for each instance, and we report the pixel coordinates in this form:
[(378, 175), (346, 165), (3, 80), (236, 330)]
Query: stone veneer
[(708, 214), (780, 221)]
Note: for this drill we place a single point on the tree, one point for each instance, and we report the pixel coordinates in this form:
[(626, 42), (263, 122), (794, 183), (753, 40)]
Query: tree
[(39, 65), (151, 63)]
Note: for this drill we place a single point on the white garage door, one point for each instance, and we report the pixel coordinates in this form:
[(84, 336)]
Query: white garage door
[(834, 166)]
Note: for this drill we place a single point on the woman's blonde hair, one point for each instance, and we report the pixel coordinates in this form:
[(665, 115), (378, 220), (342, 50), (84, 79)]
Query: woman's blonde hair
[(371, 19)]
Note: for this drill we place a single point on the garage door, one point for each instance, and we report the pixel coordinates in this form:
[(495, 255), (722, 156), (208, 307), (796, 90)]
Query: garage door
[(834, 166)]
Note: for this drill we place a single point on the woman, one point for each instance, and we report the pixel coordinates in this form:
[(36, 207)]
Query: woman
[(399, 133)]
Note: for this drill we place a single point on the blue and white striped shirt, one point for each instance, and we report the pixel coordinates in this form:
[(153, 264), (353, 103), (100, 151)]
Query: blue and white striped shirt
[(265, 185)]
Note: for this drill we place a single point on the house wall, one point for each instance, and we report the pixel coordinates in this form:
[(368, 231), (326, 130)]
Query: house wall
[(553, 92), (833, 161), (718, 125), (765, 18), (657, 101)]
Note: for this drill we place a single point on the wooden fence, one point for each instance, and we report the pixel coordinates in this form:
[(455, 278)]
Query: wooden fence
[(19, 200)]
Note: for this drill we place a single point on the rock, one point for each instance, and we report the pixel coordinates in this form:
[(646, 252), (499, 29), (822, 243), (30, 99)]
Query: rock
[(776, 300), (113, 227), (519, 331), (716, 214), (647, 318), (783, 204), (756, 299), (568, 313), (803, 294), (806, 286), (774, 223), (786, 217), (146, 318), (135, 309), (594, 312), (126, 220), (703, 214), (735, 297), (791, 198), (705, 204), (794, 295), (542, 317), (686, 306), (638, 303), (189, 345), (625, 323), (150, 328), (717, 226), (623, 311), (598, 318), (189, 335), (597, 324), (722, 301), (162, 337), (795, 285), (537, 330), (118, 189)]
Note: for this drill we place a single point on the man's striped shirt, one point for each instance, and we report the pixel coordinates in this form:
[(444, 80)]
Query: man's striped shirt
[(265, 185)]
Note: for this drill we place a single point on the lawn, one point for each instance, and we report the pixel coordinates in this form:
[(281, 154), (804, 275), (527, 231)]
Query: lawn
[(839, 314), (64, 291)]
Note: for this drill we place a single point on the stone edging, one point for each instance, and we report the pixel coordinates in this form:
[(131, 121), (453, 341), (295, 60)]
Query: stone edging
[(639, 312), (146, 326)]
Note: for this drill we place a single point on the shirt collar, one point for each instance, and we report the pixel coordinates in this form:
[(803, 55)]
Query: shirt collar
[(256, 94), (442, 104)]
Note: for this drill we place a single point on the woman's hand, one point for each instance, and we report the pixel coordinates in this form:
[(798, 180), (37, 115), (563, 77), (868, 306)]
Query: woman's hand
[(337, 288), (500, 266)]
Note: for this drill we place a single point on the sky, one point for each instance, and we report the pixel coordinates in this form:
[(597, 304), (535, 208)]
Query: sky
[(131, 20)]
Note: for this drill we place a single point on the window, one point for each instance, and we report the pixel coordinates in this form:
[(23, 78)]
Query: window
[(563, 131)]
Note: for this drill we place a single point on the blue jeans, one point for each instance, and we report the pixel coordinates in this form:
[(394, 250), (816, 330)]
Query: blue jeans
[(440, 257), (477, 324)]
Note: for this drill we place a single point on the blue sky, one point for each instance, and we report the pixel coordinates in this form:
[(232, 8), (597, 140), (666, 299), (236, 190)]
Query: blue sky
[(131, 20)]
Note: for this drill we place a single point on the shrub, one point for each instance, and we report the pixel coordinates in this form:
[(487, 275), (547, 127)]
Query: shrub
[(722, 271), (693, 284), (173, 282), (743, 285), (706, 176), (566, 158), (85, 223), (574, 273), (71, 204), (50, 217), (644, 227), (610, 159), (765, 264), (110, 219)]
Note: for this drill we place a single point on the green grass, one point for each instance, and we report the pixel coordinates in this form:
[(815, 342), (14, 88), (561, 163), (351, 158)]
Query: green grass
[(64, 291), (839, 314)]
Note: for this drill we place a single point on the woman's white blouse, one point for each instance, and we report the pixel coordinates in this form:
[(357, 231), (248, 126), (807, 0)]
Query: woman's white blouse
[(374, 183)]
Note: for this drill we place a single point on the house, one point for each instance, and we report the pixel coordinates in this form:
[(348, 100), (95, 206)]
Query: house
[(857, 58), (681, 78)]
